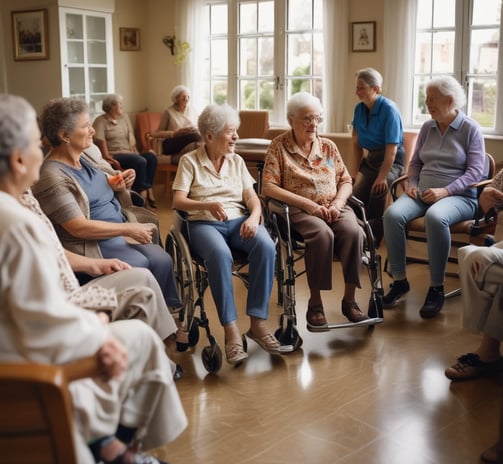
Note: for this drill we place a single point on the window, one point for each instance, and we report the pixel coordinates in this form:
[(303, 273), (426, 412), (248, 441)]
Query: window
[(260, 52), (460, 38)]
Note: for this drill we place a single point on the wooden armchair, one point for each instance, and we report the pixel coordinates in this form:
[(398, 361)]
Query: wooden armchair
[(36, 416), (254, 124)]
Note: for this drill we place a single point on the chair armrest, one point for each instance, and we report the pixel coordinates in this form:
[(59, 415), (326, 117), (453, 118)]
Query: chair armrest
[(81, 368), (393, 188)]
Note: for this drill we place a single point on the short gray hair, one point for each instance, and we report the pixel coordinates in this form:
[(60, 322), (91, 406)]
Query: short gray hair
[(16, 123), (299, 101), (109, 101), (215, 117), (177, 90), (61, 114), (449, 87), (371, 77)]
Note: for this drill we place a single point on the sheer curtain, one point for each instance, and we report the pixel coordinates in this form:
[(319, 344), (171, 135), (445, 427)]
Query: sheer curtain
[(399, 46), (191, 27), (335, 27)]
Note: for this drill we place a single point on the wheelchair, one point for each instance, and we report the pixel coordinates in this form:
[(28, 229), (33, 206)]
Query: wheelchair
[(192, 281), (289, 250)]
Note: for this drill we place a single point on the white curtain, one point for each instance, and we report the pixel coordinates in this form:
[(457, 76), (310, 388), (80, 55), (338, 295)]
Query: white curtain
[(335, 28), (399, 46), (190, 26)]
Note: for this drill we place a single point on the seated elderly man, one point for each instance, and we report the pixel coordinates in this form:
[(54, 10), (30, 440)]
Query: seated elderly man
[(133, 398), (307, 172)]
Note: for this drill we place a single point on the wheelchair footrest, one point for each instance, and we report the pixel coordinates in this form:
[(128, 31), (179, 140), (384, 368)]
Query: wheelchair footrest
[(345, 325)]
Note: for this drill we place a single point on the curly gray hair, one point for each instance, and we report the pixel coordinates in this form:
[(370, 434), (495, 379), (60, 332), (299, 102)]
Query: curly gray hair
[(299, 101), (215, 117), (109, 101), (61, 114), (16, 123), (177, 90), (449, 87)]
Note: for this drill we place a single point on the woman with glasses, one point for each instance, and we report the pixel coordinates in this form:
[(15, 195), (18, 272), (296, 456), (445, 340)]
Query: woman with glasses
[(307, 172), (377, 128)]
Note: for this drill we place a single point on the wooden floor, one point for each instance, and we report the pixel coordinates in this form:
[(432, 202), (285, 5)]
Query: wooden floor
[(350, 396)]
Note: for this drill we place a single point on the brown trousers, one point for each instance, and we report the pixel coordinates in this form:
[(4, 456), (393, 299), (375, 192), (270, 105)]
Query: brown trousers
[(343, 238)]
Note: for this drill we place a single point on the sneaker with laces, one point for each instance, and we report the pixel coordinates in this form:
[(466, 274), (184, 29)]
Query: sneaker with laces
[(470, 366), (433, 303), (397, 289)]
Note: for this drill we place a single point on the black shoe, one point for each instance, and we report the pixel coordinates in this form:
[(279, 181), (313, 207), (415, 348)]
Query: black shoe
[(151, 202), (398, 289), (433, 303), (178, 373)]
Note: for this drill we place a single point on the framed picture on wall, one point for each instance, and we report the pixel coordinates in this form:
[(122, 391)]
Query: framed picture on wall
[(129, 39), (30, 35), (364, 36)]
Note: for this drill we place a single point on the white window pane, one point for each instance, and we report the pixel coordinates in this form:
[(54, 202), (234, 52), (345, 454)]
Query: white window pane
[(299, 54), (247, 94), (266, 17), (218, 19), (302, 84), (247, 18), (219, 57), (424, 14), (444, 13), (219, 91), (423, 52), (266, 56), (482, 101), (486, 12), (419, 110), (317, 54), (300, 15), (248, 57), (443, 52), (318, 14), (484, 51), (266, 97)]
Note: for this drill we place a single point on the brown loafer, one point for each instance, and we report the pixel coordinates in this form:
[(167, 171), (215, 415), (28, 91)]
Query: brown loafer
[(315, 316), (352, 311)]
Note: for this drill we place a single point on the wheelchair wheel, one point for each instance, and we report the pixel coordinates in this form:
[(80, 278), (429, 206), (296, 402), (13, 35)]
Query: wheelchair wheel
[(194, 332), (177, 248), (212, 358), (289, 336), (376, 304)]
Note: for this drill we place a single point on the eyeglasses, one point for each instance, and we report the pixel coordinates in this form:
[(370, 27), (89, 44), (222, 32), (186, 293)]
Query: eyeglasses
[(308, 120)]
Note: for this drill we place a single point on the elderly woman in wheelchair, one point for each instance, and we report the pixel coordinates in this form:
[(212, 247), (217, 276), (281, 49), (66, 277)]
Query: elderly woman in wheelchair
[(307, 172), (215, 189)]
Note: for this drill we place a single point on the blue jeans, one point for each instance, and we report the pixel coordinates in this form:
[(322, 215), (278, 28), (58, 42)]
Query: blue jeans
[(437, 219), (212, 241)]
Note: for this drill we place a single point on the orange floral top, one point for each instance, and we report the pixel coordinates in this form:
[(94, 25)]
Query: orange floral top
[(317, 176)]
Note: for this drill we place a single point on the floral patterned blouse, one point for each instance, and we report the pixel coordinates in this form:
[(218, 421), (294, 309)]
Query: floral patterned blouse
[(317, 176)]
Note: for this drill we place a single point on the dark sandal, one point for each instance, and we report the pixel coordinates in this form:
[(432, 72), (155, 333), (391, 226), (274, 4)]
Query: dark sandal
[(315, 316)]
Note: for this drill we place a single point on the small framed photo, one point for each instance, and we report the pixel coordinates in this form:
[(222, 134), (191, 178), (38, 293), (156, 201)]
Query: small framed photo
[(364, 36), (30, 35), (129, 39)]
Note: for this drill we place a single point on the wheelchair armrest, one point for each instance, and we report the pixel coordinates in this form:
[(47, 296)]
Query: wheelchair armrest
[(393, 188)]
